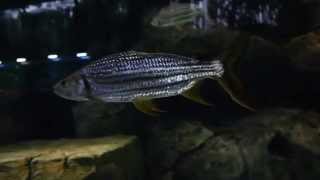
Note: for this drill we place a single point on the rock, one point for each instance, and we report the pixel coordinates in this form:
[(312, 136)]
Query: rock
[(168, 143), (254, 63), (296, 126), (219, 158), (313, 9), (273, 144), (292, 152), (228, 155), (191, 43), (112, 158), (94, 119), (258, 72), (304, 52)]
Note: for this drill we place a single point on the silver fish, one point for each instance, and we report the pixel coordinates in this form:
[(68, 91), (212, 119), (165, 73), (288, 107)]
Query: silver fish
[(128, 76), (176, 14)]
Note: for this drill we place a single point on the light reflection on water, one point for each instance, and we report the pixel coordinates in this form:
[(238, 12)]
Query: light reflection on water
[(222, 11), (68, 29), (61, 5), (233, 13)]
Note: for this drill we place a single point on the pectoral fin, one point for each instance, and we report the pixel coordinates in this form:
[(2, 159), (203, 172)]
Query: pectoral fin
[(194, 94), (147, 106)]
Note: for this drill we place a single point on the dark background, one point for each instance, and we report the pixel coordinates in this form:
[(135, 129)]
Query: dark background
[(101, 27)]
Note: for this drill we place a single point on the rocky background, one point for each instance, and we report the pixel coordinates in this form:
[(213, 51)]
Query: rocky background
[(274, 69)]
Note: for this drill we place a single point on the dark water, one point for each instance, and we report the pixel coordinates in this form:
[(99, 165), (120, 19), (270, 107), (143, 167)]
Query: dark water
[(101, 27), (36, 29)]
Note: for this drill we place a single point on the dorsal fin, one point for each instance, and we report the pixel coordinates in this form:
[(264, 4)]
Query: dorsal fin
[(133, 53)]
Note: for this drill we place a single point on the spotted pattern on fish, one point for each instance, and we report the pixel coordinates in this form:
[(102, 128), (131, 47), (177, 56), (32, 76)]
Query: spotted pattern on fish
[(123, 77)]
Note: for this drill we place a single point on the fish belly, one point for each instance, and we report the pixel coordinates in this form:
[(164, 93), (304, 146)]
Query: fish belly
[(147, 92), (128, 88)]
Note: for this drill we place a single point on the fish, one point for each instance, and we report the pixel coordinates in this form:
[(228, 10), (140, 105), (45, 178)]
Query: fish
[(176, 14), (138, 77)]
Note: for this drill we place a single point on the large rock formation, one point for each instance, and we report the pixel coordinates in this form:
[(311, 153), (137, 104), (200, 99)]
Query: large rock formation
[(275, 144), (112, 158), (96, 119), (168, 143)]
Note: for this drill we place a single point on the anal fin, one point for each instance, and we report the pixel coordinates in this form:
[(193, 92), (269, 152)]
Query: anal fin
[(194, 94), (147, 106)]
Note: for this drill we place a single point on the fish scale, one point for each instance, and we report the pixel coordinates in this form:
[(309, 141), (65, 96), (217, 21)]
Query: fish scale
[(140, 83), (134, 61), (155, 92), (149, 73), (126, 76)]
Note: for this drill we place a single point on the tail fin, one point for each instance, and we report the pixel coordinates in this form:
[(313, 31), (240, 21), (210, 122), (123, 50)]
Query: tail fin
[(238, 98), (231, 84)]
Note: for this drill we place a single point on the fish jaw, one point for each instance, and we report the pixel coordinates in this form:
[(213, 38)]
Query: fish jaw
[(78, 99), (63, 95), (74, 90)]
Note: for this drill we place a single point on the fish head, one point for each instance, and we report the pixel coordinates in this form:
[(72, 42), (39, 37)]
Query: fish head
[(175, 14), (72, 88), (156, 22)]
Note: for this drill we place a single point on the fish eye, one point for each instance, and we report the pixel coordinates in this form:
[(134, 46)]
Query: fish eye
[(64, 83)]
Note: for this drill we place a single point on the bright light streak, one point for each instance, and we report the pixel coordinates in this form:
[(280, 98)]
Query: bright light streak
[(21, 60), (62, 5), (1, 62), (53, 56), (82, 54)]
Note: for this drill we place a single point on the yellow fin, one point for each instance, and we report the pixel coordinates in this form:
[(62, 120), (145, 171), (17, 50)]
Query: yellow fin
[(231, 81), (234, 97), (194, 94), (147, 106)]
